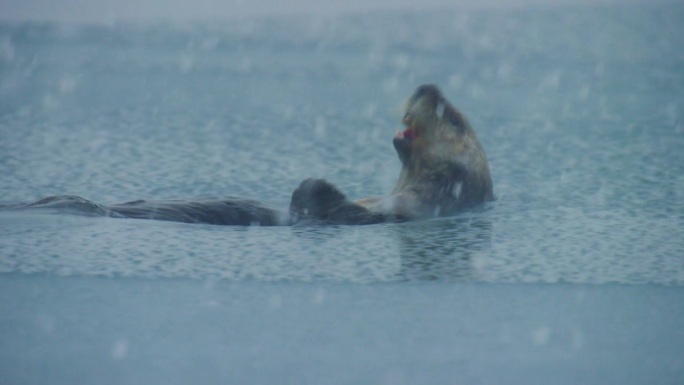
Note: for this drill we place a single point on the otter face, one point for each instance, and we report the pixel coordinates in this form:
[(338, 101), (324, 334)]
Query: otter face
[(429, 119)]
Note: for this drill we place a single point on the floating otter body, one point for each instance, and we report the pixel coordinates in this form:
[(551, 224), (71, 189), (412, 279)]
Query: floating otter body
[(444, 169), (228, 211)]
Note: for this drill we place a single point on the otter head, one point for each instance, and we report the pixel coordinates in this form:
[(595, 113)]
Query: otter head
[(440, 152), (433, 128)]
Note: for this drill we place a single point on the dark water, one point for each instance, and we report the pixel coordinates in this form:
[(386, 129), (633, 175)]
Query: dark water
[(580, 110)]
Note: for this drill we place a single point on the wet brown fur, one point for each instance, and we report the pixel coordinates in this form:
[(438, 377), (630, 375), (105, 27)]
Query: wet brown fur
[(444, 168)]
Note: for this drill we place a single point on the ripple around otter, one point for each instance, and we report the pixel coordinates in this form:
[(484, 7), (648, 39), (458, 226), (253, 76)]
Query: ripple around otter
[(468, 248)]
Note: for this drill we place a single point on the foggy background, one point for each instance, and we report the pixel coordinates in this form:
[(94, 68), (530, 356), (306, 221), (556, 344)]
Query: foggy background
[(110, 11)]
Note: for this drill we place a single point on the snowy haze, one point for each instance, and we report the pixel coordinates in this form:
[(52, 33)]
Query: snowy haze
[(574, 275)]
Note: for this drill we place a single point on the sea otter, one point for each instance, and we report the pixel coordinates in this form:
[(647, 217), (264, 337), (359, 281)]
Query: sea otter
[(444, 169)]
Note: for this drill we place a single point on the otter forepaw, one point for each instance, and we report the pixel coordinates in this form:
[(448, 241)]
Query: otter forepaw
[(314, 198)]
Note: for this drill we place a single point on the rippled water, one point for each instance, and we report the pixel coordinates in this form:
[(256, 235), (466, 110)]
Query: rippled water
[(580, 110)]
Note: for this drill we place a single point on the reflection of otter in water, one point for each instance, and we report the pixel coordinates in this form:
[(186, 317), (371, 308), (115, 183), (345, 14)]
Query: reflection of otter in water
[(444, 169), (446, 248)]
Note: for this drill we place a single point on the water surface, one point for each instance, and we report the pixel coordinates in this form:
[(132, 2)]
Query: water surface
[(573, 274)]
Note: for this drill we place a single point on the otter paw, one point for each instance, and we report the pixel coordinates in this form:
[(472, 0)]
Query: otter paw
[(315, 198)]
